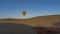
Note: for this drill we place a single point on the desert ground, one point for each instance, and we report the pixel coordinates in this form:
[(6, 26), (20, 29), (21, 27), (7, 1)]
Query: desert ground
[(46, 21)]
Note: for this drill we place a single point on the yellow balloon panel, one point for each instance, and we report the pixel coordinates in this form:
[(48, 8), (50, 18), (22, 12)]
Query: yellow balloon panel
[(23, 12)]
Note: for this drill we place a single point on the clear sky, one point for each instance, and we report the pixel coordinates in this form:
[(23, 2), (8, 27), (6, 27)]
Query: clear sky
[(13, 8)]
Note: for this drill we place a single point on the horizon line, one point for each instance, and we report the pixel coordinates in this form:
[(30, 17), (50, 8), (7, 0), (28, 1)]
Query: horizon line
[(29, 17)]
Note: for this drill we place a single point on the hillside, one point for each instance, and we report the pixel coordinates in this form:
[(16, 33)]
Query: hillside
[(39, 20)]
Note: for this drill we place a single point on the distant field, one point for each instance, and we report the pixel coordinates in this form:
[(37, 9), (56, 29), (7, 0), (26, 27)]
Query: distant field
[(39, 20)]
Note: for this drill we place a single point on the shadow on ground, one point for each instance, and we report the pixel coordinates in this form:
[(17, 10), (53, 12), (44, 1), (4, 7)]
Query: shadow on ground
[(13, 28)]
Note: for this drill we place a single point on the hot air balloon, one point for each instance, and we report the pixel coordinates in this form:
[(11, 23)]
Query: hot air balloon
[(23, 12)]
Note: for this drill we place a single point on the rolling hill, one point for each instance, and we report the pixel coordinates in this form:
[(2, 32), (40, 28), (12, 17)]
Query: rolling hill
[(47, 20)]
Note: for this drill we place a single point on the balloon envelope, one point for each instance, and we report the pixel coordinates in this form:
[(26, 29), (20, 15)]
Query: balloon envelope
[(24, 12)]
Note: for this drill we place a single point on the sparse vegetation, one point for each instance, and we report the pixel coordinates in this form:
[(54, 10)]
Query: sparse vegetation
[(57, 24), (47, 30)]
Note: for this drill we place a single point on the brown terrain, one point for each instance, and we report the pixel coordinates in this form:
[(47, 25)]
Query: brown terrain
[(39, 20), (7, 25)]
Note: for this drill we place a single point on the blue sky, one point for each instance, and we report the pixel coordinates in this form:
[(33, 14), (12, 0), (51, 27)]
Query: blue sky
[(13, 8)]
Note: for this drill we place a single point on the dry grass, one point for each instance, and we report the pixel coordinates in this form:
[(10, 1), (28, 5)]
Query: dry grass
[(39, 20), (49, 30)]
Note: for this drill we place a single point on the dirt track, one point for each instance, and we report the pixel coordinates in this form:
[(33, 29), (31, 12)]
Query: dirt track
[(13, 28)]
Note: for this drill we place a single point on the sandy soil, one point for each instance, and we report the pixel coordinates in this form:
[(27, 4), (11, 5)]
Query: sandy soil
[(34, 21)]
